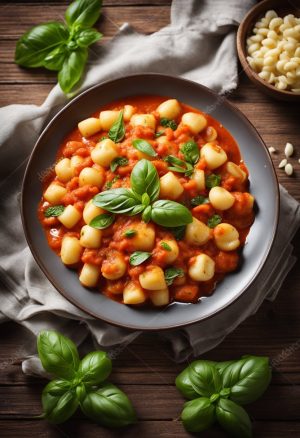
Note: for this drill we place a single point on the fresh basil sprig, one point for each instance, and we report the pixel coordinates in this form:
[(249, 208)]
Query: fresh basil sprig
[(102, 221), (61, 47), (217, 389), (142, 198), (144, 146), (117, 131), (53, 211), (80, 384)]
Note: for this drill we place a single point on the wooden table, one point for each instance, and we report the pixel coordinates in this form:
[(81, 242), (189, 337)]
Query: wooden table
[(144, 369)]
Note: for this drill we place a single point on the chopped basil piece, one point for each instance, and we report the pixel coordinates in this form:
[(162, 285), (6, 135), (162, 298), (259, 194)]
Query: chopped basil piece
[(129, 233), (109, 184), (199, 200), (178, 232), (214, 220), (172, 273), (102, 221), (212, 180), (168, 123), (165, 246), (139, 257), (54, 211), (117, 162)]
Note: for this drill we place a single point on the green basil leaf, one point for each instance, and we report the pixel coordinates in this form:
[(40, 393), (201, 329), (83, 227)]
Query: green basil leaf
[(174, 160), (146, 216), (170, 214), (102, 221), (177, 169), (233, 418), (109, 406), (53, 211), (199, 200), (129, 233), (172, 273), (117, 131), (117, 162), (168, 123), (204, 378), (144, 146), (38, 42), (191, 152), (198, 414), (178, 232), (165, 246), (94, 368), (87, 37), (55, 59), (145, 199), (58, 354), (116, 200), (80, 391), (212, 180), (58, 408), (136, 210), (58, 386), (248, 378), (221, 366), (214, 220), (72, 69), (144, 179), (83, 12), (139, 257), (184, 384)]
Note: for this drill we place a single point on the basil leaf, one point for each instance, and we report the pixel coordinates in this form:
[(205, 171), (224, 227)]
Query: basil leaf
[(168, 123), (247, 378), (172, 273), (198, 414), (145, 199), (58, 408), (38, 42), (214, 220), (204, 378), (170, 214), (129, 233), (146, 216), (144, 146), (178, 232), (55, 59), (72, 69), (174, 160), (58, 386), (94, 368), (233, 418), (102, 221), (136, 210), (179, 165), (117, 162), (58, 354), (109, 406), (87, 37), (83, 12), (191, 152), (165, 246), (53, 211), (116, 200), (139, 257), (199, 200), (221, 366), (144, 179), (212, 180), (184, 384), (117, 131)]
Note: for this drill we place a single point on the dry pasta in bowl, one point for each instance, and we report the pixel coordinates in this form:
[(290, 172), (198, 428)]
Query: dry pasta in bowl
[(273, 50), (149, 201)]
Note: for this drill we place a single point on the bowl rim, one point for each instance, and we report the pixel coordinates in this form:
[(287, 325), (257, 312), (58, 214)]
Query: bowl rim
[(256, 11), (38, 257)]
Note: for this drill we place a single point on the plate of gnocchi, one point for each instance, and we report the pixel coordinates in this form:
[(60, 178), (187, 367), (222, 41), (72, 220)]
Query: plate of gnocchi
[(158, 202)]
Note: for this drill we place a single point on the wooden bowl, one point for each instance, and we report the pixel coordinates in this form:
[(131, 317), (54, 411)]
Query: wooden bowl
[(245, 30)]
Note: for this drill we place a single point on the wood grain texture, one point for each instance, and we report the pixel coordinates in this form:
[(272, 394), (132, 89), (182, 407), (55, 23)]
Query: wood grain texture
[(145, 368)]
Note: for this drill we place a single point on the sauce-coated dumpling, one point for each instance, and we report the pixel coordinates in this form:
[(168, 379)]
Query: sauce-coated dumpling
[(148, 201)]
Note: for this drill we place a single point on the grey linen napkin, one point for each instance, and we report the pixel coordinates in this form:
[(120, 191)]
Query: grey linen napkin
[(200, 38)]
